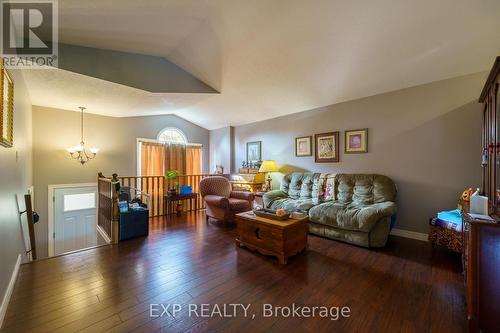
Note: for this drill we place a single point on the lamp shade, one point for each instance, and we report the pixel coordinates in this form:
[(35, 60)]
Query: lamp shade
[(268, 166)]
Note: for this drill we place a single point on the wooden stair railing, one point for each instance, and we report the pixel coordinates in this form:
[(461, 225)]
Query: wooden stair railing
[(150, 189), (107, 209)]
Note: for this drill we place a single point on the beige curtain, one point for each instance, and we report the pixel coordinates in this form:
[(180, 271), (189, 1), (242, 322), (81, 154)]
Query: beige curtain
[(152, 159), (193, 166), (158, 158), (175, 158), (193, 160), (152, 164)]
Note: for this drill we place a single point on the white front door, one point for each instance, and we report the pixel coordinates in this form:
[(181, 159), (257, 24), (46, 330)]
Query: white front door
[(74, 218)]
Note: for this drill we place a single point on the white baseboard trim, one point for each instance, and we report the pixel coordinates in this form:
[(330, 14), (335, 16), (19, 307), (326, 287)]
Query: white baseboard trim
[(8, 292), (409, 234), (103, 234)]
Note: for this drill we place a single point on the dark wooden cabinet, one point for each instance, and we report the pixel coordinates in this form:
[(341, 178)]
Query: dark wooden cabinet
[(482, 274), (491, 137), (481, 256)]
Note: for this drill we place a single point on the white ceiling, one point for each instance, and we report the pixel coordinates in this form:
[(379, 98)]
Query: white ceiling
[(270, 58)]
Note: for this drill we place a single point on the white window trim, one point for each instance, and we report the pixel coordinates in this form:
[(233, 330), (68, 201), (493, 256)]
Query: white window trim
[(175, 129)]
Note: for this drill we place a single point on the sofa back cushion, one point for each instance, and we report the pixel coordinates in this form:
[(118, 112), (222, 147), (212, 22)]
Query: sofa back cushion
[(300, 185), (364, 189)]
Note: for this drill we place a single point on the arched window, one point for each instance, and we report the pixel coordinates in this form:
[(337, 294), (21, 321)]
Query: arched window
[(172, 135)]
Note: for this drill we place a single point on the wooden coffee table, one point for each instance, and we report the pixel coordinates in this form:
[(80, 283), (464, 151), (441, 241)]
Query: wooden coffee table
[(282, 239)]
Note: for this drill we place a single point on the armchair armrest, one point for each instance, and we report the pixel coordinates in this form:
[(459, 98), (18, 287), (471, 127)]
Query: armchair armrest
[(244, 195), (216, 200), (271, 196)]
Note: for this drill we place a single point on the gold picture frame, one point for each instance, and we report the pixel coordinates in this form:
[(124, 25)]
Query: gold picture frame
[(6, 108), (356, 141)]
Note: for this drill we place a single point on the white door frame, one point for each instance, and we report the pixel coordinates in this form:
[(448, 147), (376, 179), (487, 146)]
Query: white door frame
[(51, 218)]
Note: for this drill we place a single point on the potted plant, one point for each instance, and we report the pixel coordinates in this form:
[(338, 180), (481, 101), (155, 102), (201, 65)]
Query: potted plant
[(172, 175)]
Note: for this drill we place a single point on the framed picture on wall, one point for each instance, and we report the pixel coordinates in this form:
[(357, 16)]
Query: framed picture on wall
[(356, 141), (254, 151), (6, 109), (303, 146), (327, 147)]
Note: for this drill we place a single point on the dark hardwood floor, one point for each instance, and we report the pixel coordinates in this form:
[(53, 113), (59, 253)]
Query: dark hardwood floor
[(407, 286)]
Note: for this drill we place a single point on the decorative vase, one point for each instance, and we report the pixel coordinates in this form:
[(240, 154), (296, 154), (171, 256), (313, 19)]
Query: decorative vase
[(178, 208), (172, 191)]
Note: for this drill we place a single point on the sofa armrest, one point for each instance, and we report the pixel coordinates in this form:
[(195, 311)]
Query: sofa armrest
[(244, 195), (216, 200), (384, 209), (271, 196), (369, 215)]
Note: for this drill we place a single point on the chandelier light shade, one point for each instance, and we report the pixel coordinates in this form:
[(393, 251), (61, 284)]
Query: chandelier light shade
[(79, 152)]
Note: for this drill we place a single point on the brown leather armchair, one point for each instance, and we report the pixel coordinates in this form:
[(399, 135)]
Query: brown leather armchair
[(221, 202)]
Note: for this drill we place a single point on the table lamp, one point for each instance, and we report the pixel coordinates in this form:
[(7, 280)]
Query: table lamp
[(268, 166)]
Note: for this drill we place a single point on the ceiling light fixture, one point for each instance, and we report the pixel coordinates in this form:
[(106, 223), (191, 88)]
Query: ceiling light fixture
[(79, 152)]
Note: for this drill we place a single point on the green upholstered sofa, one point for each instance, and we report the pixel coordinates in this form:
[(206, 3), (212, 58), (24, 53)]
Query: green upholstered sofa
[(355, 208)]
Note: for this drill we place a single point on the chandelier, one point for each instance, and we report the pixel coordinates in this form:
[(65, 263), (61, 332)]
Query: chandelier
[(79, 152)]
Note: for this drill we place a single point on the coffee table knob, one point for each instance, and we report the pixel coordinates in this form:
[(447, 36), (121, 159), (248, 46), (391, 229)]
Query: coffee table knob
[(257, 233)]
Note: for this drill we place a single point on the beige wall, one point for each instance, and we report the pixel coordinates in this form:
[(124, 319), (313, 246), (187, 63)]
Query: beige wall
[(426, 138), (15, 179), (55, 130)]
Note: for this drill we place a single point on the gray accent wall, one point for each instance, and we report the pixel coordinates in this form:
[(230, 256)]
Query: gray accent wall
[(426, 138), (15, 180), (145, 72), (56, 130)]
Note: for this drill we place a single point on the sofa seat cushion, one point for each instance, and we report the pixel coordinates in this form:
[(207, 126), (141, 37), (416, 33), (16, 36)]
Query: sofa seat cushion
[(326, 213), (238, 204), (290, 205), (351, 217)]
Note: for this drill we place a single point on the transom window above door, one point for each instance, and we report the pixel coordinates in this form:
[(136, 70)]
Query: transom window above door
[(172, 135)]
